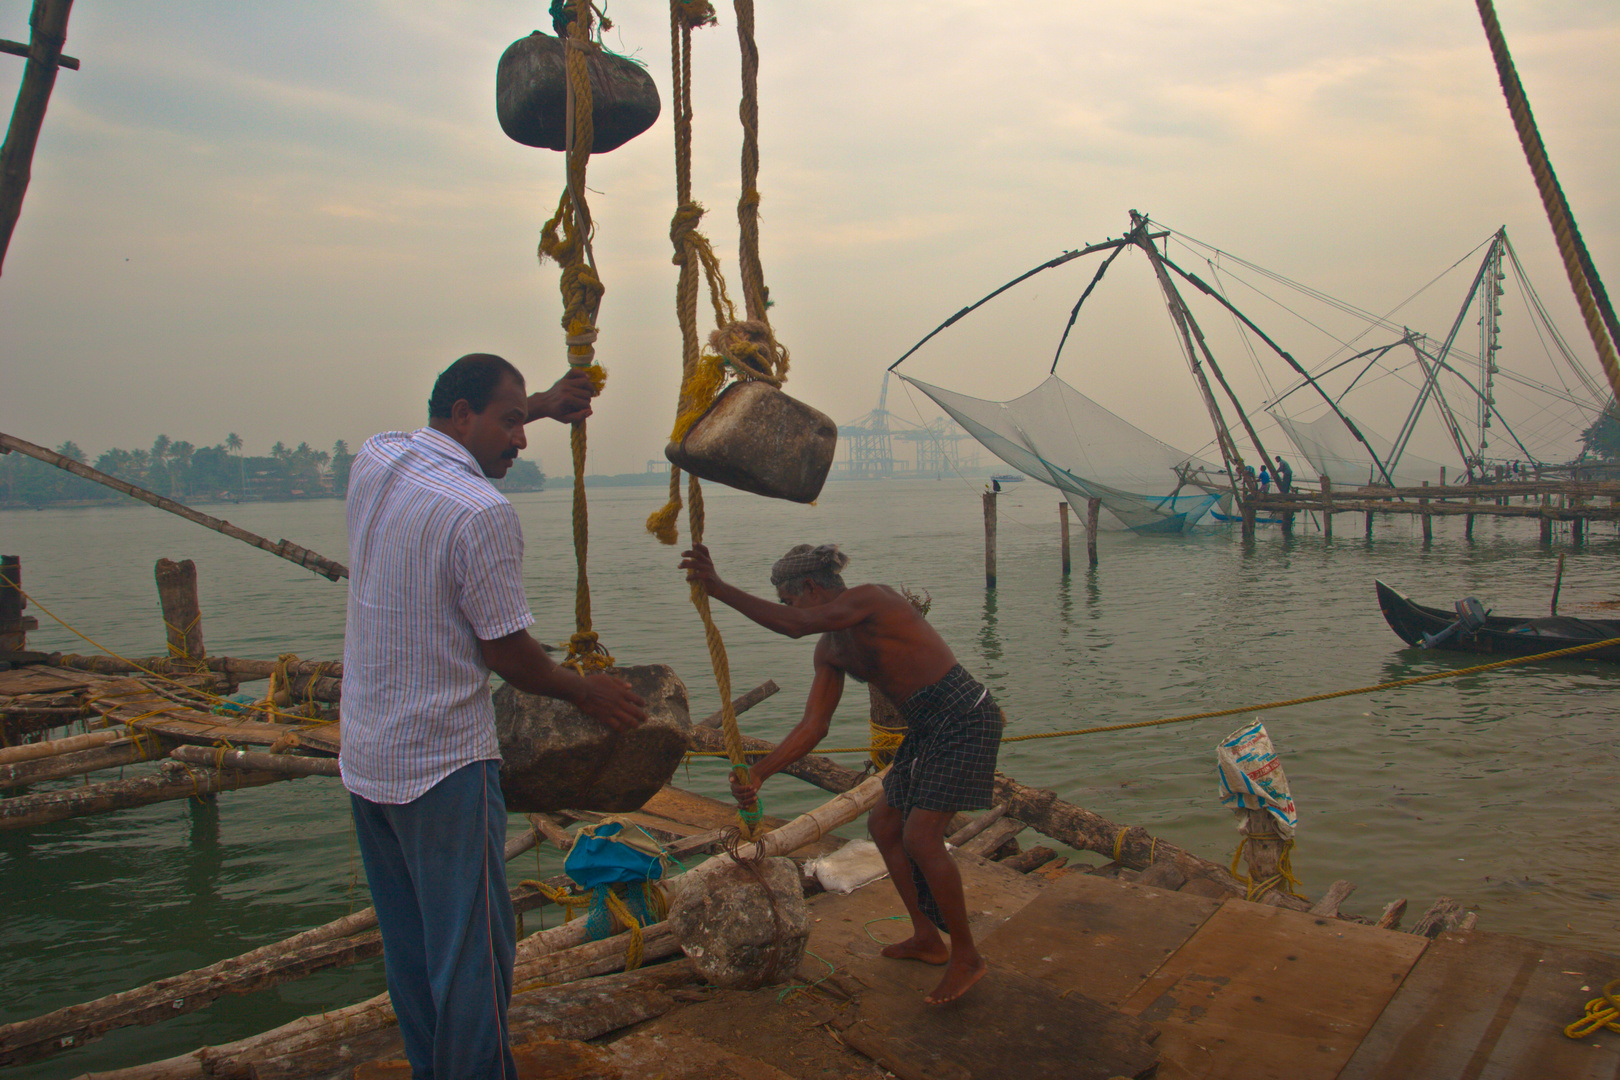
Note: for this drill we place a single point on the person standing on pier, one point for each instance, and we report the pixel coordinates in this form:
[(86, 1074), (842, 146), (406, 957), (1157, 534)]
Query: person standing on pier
[(435, 604), (946, 762), (1285, 476)]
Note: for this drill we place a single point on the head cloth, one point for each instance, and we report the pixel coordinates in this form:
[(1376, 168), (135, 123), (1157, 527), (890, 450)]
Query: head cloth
[(803, 561)]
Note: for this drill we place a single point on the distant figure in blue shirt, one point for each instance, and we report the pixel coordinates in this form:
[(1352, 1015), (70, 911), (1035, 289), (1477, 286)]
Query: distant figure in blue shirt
[(1265, 480)]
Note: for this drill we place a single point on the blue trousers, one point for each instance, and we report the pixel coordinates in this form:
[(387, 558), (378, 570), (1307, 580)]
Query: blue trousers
[(437, 871)]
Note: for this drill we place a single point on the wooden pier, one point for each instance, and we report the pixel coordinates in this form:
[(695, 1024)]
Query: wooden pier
[(1094, 976), (1576, 503)]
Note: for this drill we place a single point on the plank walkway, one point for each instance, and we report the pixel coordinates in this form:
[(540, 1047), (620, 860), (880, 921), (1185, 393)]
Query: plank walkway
[(1092, 978)]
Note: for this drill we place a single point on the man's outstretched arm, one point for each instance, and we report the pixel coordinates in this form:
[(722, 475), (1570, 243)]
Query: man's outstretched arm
[(520, 660), (850, 608)]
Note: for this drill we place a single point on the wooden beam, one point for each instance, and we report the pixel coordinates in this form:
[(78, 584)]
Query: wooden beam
[(17, 48), (49, 30), (285, 549)]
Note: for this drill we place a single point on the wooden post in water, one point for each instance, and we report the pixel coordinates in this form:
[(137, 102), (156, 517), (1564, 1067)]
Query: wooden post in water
[(1546, 519), (1327, 508), (1093, 505), (1247, 512), (1428, 524), (1577, 524), (1063, 516), (1558, 583), (182, 614), (1369, 524), (989, 539), (13, 634)]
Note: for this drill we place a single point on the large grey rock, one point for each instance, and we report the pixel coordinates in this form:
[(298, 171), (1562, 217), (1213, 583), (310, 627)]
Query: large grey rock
[(726, 927), (554, 757)]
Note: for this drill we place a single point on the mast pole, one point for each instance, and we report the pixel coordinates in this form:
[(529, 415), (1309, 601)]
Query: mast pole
[(48, 26), (1191, 331)]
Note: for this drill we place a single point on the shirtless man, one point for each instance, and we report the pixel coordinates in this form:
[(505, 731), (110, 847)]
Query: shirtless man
[(946, 762)]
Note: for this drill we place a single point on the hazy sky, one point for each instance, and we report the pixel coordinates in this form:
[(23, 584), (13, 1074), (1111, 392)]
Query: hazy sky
[(283, 219)]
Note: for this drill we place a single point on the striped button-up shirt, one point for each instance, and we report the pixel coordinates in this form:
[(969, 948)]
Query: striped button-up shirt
[(436, 558)]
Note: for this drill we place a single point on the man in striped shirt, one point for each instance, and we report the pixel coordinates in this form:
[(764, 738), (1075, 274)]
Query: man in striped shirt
[(436, 603)]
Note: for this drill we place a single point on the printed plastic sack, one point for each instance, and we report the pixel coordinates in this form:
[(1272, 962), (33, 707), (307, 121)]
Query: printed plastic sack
[(1252, 777)]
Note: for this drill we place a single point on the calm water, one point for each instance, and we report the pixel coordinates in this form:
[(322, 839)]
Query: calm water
[(1496, 789)]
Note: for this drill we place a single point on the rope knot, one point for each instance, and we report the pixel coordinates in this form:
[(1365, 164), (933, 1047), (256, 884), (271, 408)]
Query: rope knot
[(751, 350), (585, 653), (694, 14), (682, 226)]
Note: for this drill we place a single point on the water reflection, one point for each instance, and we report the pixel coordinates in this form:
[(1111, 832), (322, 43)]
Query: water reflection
[(989, 637)]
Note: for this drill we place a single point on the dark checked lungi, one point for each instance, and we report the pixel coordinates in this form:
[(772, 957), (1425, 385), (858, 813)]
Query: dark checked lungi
[(947, 761)]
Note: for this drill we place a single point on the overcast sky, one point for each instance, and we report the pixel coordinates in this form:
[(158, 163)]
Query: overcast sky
[(282, 219)]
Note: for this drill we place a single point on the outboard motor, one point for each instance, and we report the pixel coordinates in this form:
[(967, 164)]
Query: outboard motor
[(1470, 617)]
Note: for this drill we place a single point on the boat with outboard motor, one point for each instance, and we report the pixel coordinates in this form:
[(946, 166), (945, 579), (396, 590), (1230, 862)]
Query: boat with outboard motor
[(1471, 628)]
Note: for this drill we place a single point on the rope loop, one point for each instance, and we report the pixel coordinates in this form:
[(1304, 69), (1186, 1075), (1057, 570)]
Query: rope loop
[(1601, 1012)]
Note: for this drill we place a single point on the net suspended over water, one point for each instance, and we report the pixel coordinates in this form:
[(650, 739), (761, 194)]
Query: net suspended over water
[(1057, 435), (1326, 443)]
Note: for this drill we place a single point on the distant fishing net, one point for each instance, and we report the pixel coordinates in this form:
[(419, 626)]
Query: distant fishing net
[(1057, 435), (1327, 445)]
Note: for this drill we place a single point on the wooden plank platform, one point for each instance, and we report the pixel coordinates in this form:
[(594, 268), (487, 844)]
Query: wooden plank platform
[(1097, 936), (1264, 993), (1484, 1006), (132, 702)]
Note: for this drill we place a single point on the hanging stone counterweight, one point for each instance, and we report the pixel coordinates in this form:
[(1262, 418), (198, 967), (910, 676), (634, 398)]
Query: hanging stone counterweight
[(758, 439), (531, 95), (554, 757)]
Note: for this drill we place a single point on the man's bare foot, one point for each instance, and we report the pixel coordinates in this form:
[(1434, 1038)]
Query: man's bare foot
[(957, 981), (934, 952)]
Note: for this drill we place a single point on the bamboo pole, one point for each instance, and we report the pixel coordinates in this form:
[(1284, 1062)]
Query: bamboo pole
[(48, 24), (342, 941), (285, 549), (1558, 583), (284, 765), (1428, 519), (1327, 514), (113, 755), (11, 755), (26, 811)]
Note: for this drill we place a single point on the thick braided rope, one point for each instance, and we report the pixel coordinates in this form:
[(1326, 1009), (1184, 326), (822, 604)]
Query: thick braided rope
[(1577, 261), (755, 294), (684, 16), (581, 290)]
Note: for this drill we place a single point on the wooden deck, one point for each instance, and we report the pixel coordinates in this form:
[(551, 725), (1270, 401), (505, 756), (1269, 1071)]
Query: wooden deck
[(1093, 978)]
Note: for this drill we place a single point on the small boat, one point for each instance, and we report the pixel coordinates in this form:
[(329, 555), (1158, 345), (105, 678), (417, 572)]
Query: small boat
[(1473, 629), (1008, 478)]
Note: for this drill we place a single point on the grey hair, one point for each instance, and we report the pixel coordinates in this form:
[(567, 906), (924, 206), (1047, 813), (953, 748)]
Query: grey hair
[(820, 565)]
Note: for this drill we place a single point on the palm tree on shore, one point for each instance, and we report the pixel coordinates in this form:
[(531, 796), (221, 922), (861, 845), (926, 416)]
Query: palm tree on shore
[(233, 443)]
